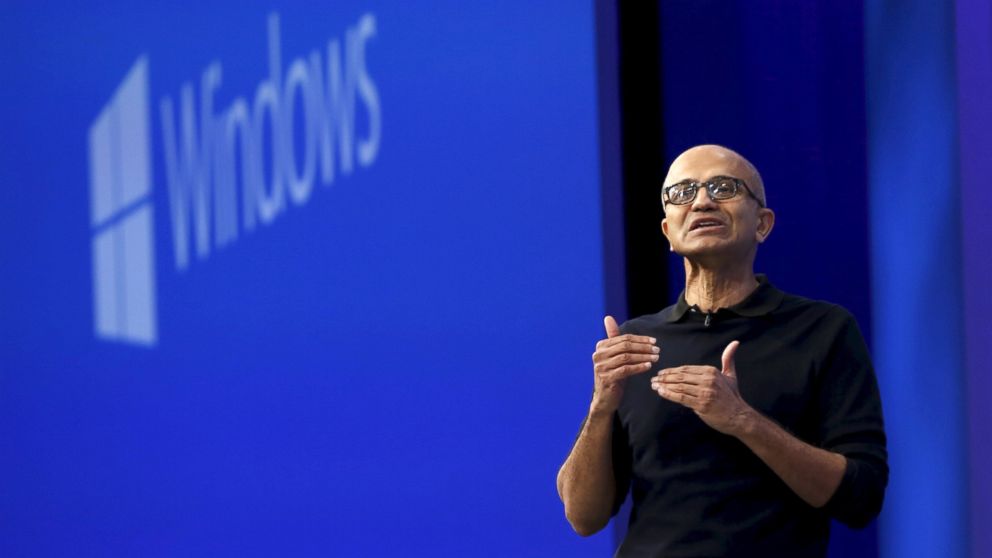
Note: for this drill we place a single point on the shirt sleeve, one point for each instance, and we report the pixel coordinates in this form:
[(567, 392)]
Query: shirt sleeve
[(851, 424), (621, 464)]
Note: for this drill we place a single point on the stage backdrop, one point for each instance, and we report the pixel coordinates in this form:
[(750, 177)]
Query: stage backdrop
[(303, 279)]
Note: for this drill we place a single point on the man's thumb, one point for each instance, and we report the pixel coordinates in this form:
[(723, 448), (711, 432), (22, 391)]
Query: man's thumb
[(612, 329), (729, 366)]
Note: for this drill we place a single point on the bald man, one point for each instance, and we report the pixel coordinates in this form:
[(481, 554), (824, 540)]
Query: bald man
[(741, 419)]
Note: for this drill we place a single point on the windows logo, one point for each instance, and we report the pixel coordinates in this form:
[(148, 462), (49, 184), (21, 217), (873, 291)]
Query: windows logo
[(121, 217)]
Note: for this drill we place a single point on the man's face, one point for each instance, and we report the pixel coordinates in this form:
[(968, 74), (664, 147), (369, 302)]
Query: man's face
[(727, 229)]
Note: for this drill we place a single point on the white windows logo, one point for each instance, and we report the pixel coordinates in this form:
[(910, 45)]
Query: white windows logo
[(121, 217), (310, 111)]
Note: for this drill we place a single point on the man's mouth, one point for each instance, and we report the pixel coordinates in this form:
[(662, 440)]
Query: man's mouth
[(705, 223)]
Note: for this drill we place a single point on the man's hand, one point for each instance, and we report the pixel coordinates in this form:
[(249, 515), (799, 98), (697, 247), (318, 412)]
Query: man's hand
[(617, 358), (711, 393), (586, 482)]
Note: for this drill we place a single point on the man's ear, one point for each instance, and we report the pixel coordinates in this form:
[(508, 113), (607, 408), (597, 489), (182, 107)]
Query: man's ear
[(766, 222), (664, 231)]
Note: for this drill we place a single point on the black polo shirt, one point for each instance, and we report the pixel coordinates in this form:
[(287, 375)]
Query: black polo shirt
[(697, 492)]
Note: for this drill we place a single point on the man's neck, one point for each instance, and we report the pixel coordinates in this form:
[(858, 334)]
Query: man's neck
[(710, 290)]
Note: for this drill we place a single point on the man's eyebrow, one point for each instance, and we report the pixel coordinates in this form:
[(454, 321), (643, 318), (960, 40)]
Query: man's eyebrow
[(710, 179)]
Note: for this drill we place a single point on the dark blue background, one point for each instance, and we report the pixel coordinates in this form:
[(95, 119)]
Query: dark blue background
[(782, 83)]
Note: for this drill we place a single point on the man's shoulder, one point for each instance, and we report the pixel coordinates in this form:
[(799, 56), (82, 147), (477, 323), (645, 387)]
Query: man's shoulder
[(828, 319), (644, 323), (647, 322), (795, 304)]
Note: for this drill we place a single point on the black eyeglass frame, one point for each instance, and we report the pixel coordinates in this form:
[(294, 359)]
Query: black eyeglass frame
[(709, 184)]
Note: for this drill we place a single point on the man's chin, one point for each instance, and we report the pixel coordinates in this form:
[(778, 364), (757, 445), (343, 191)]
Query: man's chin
[(711, 246), (713, 250)]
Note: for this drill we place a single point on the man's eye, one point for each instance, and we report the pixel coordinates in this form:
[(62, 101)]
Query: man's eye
[(724, 187)]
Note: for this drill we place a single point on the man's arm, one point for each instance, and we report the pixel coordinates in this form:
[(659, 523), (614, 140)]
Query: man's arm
[(587, 481), (812, 473)]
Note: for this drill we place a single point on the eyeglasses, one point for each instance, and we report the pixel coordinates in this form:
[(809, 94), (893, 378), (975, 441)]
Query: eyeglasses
[(719, 188)]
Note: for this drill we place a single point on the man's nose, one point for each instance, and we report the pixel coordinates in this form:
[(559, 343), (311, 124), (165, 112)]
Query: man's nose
[(702, 201)]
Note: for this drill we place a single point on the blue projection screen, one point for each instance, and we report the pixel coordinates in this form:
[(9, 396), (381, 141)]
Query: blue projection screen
[(313, 279)]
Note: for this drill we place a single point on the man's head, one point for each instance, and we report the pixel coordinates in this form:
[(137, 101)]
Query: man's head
[(705, 227)]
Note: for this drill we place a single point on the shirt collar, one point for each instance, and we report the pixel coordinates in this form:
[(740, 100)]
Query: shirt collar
[(762, 301)]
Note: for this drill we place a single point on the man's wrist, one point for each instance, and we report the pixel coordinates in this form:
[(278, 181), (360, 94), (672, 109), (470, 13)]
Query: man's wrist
[(600, 411), (747, 422)]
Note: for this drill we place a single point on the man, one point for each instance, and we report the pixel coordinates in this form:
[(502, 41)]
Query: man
[(742, 419)]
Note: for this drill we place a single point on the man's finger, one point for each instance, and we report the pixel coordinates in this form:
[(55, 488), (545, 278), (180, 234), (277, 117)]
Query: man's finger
[(670, 376), (627, 337), (689, 390), (630, 358), (727, 360), (628, 347), (627, 371), (690, 370), (612, 329), (677, 397), (602, 344)]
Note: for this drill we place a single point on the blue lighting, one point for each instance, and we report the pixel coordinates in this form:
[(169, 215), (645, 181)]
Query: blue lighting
[(916, 280)]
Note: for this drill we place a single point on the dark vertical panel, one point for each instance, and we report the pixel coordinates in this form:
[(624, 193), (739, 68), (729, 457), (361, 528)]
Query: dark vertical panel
[(781, 82), (642, 160)]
